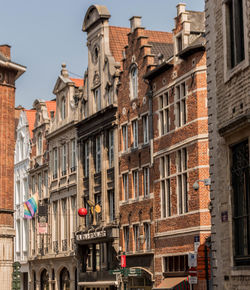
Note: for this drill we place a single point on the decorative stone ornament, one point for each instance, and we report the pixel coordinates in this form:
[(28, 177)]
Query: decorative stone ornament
[(82, 211)]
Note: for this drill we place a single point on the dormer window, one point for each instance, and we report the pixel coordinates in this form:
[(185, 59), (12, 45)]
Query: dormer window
[(63, 108), (134, 82)]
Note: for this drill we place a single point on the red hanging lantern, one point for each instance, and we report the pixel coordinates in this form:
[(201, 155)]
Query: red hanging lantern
[(82, 211)]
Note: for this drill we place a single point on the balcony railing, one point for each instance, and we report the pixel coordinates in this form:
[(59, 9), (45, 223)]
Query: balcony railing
[(64, 172), (55, 176), (64, 245), (73, 169), (55, 247), (73, 245)]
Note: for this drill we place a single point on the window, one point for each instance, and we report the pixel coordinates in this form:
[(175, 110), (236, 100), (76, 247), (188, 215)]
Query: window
[(18, 192), (98, 200), (180, 92), (136, 183), (40, 185), (18, 238), (125, 138), (134, 82), (165, 186), (126, 238), (135, 133), (55, 223), (145, 129), (179, 43), (98, 155), (73, 155), (111, 198), (63, 108), (164, 114), (147, 236), (25, 235), (55, 167), (39, 144), (109, 95), (33, 184), (241, 201), (235, 32), (25, 189), (73, 215), (111, 148), (64, 218), (97, 94), (21, 148), (146, 187), (182, 180), (176, 264), (86, 159), (64, 159), (46, 189), (125, 186), (136, 237)]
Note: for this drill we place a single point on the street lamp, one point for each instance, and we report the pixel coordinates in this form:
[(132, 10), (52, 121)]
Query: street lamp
[(206, 181)]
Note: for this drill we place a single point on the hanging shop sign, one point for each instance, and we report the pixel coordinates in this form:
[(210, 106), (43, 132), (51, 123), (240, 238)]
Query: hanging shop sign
[(90, 236), (42, 228)]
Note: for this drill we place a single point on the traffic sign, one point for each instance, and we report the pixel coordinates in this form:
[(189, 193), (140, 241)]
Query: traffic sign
[(192, 279), (192, 259), (132, 272), (192, 271), (116, 271)]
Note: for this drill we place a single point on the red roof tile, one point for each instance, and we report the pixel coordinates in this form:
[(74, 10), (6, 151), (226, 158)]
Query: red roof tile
[(78, 82), (51, 106), (118, 39), (31, 117)]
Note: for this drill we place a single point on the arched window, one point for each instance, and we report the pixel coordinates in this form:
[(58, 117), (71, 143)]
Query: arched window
[(134, 82), (39, 144), (63, 108)]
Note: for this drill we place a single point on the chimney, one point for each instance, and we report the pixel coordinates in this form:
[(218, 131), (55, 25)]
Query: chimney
[(181, 7), (135, 22), (5, 50)]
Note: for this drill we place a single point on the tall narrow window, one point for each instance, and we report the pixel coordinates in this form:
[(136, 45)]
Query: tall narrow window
[(147, 236), (98, 154), (97, 93), (86, 159), (111, 197), (182, 181), (63, 108), (64, 159), (124, 138), (25, 189), (111, 148), (46, 189), (134, 82), (164, 113), (40, 185), (33, 184), (165, 186), (55, 159), (235, 32), (18, 192), (135, 133), (64, 221), (25, 235), (126, 238), (73, 216), (136, 183), (39, 144), (180, 93), (136, 237), (145, 129), (241, 202), (146, 187), (55, 223), (125, 186), (98, 200), (18, 238), (73, 155)]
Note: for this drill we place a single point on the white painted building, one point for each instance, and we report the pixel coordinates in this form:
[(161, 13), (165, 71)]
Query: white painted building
[(22, 164)]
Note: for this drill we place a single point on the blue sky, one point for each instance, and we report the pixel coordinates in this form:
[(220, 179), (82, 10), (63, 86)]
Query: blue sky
[(46, 33)]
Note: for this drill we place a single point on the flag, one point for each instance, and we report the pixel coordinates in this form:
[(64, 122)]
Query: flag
[(30, 206)]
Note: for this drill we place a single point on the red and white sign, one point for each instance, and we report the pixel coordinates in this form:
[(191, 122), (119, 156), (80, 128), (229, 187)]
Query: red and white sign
[(192, 271), (123, 261), (42, 228)]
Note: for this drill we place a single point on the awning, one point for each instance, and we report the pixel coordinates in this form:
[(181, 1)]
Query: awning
[(174, 283), (97, 283)]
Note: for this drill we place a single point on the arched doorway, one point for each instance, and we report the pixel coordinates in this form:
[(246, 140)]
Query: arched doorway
[(64, 279), (44, 280)]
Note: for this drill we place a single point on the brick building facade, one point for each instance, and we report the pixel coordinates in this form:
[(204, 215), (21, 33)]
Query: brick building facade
[(9, 73), (228, 53)]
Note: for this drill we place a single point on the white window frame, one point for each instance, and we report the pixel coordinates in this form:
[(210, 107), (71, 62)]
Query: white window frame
[(145, 129), (164, 113), (146, 181), (165, 181), (134, 82), (124, 138), (135, 133), (182, 183), (125, 186), (135, 174)]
